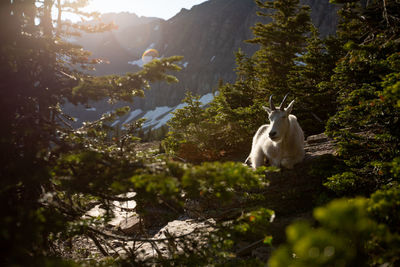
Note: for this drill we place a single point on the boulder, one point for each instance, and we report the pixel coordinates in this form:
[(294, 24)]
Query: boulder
[(125, 218), (174, 238)]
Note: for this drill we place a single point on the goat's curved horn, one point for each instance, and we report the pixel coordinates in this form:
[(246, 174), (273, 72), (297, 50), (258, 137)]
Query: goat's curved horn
[(282, 107), (271, 104)]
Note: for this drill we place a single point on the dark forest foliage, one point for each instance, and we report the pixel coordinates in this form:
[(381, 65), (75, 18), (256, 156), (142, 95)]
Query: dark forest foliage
[(52, 174), (348, 82), (41, 153)]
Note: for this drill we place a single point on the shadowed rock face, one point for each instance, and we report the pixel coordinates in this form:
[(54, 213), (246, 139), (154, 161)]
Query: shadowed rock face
[(293, 194), (207, 36), (291, 191)]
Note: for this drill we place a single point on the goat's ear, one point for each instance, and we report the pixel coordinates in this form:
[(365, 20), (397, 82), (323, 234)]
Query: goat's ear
[(267, 110), (289, 107)]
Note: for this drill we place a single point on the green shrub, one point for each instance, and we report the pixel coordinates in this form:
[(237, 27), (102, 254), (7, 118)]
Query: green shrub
[(350, 232)]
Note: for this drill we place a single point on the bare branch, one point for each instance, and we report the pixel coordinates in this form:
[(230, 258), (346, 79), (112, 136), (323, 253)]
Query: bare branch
[(97, 243), (125, 238)]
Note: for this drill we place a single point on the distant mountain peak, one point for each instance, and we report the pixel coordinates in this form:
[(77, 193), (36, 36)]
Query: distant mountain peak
[(207, 36)]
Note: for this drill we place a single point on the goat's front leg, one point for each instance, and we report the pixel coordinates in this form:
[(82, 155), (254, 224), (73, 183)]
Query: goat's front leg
[(256, 157)]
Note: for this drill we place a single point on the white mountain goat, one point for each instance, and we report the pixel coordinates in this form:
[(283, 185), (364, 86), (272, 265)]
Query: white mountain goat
[(281, 141)]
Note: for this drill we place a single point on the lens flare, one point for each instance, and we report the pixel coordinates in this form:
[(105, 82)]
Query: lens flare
[(149, 55)]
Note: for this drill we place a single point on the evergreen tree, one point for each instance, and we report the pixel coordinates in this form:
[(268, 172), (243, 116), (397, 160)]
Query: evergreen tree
[(310, 80), (190, 136), (39, 71), (366, 126), (366, 123), (350, 232), (281, 42), (236, 112)]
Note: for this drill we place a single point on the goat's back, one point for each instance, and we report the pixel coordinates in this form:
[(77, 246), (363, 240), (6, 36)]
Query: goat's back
[(295, 138)]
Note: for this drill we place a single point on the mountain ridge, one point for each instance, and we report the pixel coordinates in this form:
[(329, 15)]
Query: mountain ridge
[(207, 36)]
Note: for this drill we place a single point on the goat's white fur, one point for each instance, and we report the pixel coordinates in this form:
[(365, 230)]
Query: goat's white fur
[(286, 148)]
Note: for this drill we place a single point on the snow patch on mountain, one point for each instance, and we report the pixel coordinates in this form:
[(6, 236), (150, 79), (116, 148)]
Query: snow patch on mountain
[(206, 99), (168, 116), (115, 123), (159, 116), (154, 116), (132, 115)]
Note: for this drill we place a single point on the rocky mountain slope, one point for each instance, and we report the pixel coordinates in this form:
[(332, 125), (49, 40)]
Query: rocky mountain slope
[(207, 36)]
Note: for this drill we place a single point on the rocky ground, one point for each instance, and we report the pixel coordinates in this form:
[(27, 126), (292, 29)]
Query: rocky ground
[(292, 194)]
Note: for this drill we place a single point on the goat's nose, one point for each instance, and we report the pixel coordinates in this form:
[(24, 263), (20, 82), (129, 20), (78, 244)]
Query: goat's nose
[(272, 134)]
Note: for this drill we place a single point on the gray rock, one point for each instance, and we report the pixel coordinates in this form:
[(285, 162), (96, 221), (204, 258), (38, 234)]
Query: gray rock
[(125, 218), (168, 240), (318, 138), (130, 225)]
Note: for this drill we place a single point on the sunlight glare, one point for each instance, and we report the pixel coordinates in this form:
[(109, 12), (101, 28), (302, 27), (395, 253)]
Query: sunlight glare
[(149, 8)]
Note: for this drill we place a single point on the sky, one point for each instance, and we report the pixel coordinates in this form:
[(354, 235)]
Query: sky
[(149, 8)]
